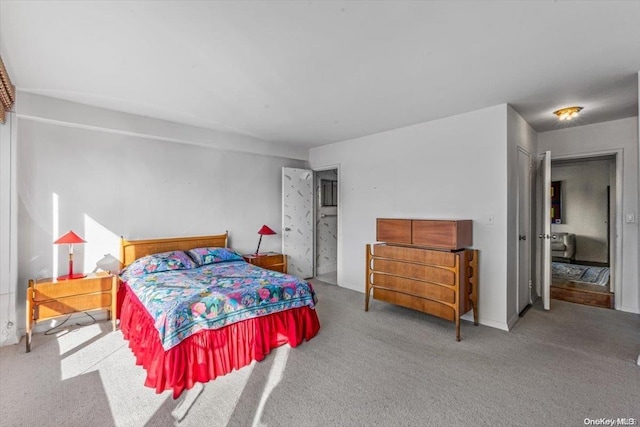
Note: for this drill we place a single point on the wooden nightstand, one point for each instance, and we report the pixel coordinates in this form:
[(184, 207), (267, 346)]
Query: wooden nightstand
[(268, 260), (49, 298)]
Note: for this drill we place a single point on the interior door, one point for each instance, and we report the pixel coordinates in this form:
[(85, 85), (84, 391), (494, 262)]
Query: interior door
[(524, 230), (544, 174), (297, 220)]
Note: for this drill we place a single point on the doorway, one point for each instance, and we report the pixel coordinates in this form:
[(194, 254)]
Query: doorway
[(583, 229), (297, 220), (326, 225)]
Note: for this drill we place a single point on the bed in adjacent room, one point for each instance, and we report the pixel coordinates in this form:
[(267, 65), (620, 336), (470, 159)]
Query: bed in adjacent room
[(595, 275), (193, 310)]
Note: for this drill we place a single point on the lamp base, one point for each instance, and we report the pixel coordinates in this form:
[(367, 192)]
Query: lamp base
[(72, 276)]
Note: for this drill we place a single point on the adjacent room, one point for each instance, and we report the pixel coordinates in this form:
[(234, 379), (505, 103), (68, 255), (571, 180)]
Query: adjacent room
[(307, 213), (583, 205)]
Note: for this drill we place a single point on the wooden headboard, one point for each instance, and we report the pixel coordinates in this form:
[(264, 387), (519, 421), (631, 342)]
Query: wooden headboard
[(131, 250)]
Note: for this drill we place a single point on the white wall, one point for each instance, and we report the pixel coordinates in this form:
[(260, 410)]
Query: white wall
[(584, 205), (519, 135), (111, 183), (88, 117), (601, 138), (8, 239), (450, 168)]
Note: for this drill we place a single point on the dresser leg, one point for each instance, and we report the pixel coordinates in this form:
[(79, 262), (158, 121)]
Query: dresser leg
[(367, 277), (113, 312), (29, 316), (475, 312), (457, 327)]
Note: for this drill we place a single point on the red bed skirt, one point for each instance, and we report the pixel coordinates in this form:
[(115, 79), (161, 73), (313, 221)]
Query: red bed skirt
[(208, 353)]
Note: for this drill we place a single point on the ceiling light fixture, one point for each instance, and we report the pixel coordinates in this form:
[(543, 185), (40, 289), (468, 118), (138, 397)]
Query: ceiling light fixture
[(567, 113)]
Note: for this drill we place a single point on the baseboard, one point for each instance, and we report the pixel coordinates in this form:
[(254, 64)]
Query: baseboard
[(629, 309), (485, 322), (10, 338), (514, 319), (351, 287)]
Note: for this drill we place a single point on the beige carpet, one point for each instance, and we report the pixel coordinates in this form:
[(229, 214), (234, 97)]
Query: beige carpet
[(391, 366)]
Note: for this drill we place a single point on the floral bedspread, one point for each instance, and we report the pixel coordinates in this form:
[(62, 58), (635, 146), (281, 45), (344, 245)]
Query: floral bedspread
[(183, 302)]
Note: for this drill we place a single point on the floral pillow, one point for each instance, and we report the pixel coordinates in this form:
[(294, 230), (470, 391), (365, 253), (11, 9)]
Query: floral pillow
[(204, 256), (164, 261)]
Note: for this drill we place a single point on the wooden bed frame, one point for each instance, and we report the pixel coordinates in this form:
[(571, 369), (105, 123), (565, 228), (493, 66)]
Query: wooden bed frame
[(131, 250)]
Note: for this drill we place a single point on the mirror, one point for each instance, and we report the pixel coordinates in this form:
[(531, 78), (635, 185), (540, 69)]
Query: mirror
[(556, 202), (329, 193)]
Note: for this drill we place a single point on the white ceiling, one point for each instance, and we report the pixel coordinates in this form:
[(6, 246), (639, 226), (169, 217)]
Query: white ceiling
[(312, 73)]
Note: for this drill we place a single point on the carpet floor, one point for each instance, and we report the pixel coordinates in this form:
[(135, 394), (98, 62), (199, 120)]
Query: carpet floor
[(390, 366)]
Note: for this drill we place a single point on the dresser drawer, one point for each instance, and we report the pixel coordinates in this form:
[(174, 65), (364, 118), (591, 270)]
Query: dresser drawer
[(420, 304), (61, 289), (72, 304), (278, 267), (270, 261), (415, 287), (393, 231), (417, 255), (451, 235), (427, 273)]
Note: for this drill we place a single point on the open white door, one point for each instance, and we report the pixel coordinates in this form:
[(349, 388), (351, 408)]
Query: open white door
[(544, 174), (297, 220), (524, 231)]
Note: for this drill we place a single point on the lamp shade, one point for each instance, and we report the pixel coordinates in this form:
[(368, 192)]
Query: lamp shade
[(69, 238), (109, 263), (265, 231)]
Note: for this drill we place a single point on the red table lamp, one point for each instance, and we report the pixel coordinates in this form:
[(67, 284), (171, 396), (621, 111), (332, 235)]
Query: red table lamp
[(264, 231), (69, 239)]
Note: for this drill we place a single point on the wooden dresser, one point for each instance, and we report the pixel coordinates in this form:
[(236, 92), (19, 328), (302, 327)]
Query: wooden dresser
[(407, 271)]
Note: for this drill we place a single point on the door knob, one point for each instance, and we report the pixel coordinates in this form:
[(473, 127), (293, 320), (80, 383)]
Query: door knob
[(522, 237)]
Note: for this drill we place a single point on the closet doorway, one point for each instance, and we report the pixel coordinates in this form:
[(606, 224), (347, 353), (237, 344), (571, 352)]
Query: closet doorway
[(583, 230), (326, 226)]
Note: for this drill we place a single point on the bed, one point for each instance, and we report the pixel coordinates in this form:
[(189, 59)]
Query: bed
[(193, 310)]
